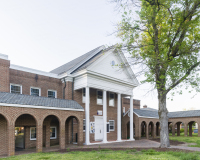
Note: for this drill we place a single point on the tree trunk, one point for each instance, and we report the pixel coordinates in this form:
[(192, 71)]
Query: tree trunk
[(162, 112)]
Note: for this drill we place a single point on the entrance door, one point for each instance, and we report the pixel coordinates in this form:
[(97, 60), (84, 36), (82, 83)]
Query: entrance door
[(98, 128), (19, 137)]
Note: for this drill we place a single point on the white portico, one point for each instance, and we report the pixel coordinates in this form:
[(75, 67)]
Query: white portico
[(104, 75)]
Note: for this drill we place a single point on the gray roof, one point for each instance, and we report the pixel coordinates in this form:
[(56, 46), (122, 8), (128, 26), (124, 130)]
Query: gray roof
[(11, 98), (178, 114), (76, 62), (149, 109)]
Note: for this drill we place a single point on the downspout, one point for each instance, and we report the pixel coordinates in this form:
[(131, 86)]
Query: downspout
[(64, 89)]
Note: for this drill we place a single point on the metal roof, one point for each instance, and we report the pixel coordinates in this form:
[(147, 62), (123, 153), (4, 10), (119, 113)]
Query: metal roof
[(77, 62), (178, 114), (21, 99)]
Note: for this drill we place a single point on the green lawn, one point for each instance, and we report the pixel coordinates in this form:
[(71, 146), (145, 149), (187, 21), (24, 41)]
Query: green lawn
[(182, 138), (110, 155)]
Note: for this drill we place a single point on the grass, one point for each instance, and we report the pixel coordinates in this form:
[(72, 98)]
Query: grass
[(182, 138), (110, 155)]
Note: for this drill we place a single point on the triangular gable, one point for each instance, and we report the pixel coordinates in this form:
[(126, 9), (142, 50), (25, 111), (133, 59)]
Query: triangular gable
[(109, 65)]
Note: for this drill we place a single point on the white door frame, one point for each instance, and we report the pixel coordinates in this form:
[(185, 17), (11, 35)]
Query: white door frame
[(96, 130)]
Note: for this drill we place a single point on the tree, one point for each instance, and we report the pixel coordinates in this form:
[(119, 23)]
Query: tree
[(166, 40)]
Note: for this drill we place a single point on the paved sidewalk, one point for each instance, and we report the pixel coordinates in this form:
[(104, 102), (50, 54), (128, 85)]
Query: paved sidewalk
[(186, 148)]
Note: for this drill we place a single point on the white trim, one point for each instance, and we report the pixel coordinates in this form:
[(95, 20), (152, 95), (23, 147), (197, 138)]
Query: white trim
[(33, 139), (82, 95), (113, 99), (36, 88), (52, 91), (39, 107), (3, 56), (29, 70), (113, 125), (19, 85), (97, 97), (55, 132)]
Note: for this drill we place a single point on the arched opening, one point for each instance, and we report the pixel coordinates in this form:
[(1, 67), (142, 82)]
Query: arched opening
[(51, 132), (128, 130), (151, 129), (170, 128), (143, 129), (72, 130), (25, 132), (178, 128), (4, 135), (192, 129), (158, 129)]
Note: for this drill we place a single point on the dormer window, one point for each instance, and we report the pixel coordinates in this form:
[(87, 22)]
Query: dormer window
[(15, 88), (35, 91)]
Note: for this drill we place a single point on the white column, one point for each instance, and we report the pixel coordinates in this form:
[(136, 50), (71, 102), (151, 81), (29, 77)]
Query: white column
[(87, 116), (119, 117), (104, 117), (131, 118)]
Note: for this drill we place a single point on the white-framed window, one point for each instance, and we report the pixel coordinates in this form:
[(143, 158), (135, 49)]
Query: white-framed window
[(53, 132), (32, 133), (35, 91), (124, 110), (52, 94), (111, 99), (84, 125), (99, 97), (16, 88), (112, 125), (83, 95)]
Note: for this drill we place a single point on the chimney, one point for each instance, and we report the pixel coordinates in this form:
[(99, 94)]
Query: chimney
[(145, 106)]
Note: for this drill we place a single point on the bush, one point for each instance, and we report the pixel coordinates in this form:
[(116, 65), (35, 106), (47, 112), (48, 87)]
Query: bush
[(181, 130)]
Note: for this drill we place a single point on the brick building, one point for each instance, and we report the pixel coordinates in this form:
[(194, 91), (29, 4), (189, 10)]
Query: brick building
[(80, 102)]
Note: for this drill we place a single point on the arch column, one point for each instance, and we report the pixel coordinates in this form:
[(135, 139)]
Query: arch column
[(186, 129), (62, 134), (190, 129), (47, 144), (154, 131), (147, 130), (11, 139), (198, 129), (39, 136)]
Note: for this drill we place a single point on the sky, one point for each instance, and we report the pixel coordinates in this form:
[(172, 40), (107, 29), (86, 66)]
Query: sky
[(44, 34)]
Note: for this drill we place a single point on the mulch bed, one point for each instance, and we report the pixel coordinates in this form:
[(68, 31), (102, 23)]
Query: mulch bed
[(172, 142)]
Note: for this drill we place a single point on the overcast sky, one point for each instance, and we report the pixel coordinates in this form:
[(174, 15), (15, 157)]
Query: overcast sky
[(44, 34)]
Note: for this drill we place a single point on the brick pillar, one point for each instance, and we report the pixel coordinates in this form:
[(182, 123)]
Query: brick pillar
[(173, 129), (190, 129), (186, 129), (147, 131), (62, 135), (39, 136), (198, 129), (11, 139), (154, 131), (178, 129), (139, 131), (47, 143), (80, 132)]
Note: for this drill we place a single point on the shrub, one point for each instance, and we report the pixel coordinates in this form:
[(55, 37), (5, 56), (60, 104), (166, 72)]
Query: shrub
[(181, 130)]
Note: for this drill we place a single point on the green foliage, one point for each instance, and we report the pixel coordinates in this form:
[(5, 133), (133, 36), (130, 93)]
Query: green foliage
[(166, 39), (182, 130)]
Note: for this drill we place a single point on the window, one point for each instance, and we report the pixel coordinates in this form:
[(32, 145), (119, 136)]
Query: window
[(33, 133), (15, 88), (84, 125), (83, 95), (53, 133), (112, 99), (52, 94), (35, 91), (112, 125), (108, 127), (99, 97), (123, 110)]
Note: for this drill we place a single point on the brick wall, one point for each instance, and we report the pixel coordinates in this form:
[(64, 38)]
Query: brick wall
[(28, 80), (4, 75), (3, 136)]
